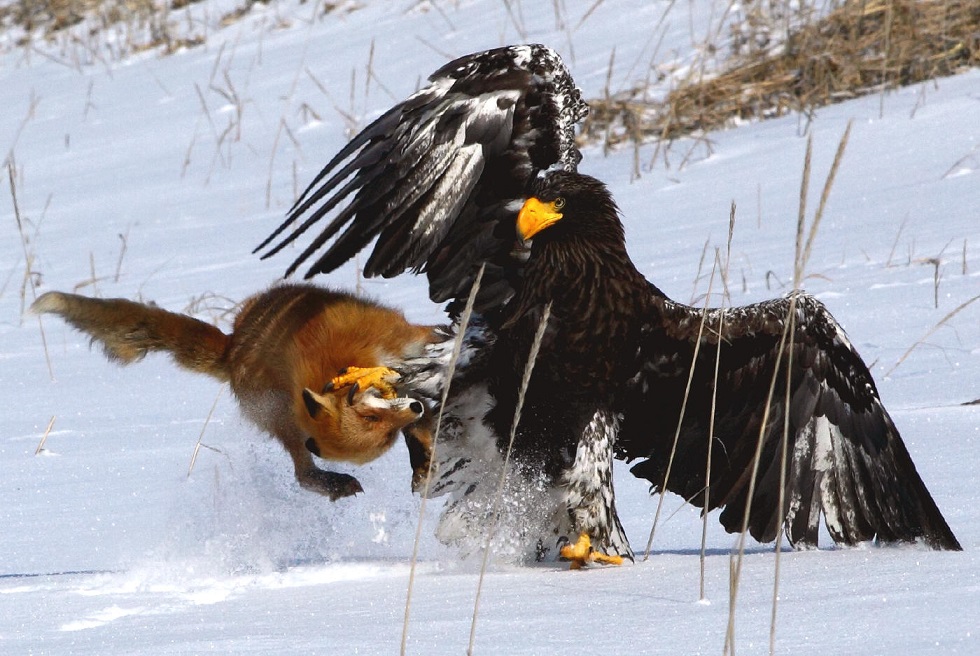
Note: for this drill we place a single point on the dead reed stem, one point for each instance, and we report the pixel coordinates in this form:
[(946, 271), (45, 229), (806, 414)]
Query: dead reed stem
[(28, 263), (680, 419), (738, 556), (44, 438), (714, 398), (200, 437), (707, 467), (939, 324), (801, 258), (525, 380), (450, 372)]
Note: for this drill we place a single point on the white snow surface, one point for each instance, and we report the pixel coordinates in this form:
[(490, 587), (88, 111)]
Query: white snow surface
[(154, 177)]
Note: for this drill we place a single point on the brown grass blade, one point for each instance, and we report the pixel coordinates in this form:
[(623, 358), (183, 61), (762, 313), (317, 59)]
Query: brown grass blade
[(525, 380), (457, 347)]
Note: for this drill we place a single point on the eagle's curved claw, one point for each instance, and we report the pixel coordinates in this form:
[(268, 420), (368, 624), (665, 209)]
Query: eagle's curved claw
[(581, 554), (362, 378)]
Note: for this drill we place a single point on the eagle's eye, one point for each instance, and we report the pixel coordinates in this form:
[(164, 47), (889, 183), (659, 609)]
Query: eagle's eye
[(559, 203)]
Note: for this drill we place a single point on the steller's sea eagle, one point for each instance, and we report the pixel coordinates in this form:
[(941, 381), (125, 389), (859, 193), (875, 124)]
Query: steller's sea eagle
[(462, 175)]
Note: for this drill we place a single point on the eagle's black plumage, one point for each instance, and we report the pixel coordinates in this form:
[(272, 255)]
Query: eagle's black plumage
[(845, 456), (440, 179), (436, 178)]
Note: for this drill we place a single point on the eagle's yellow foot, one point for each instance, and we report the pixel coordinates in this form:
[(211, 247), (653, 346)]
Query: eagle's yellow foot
[(361, 378), (581, 554)]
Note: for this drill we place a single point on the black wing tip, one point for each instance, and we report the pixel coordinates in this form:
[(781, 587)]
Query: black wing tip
[(290, 218), (937, 540), (936, 532), (944, 542)]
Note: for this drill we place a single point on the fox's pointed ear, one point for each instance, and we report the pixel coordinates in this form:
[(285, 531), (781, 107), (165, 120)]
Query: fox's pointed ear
[(313, 402)]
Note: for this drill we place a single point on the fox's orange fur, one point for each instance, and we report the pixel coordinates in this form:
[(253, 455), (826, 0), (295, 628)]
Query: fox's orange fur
[(286, 346)]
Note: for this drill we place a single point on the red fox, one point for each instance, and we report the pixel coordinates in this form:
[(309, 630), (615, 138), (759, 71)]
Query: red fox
[(307, 365)]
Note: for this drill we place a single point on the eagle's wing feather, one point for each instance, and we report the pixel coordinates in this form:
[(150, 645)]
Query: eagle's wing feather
[(845, 459), (436, 178)]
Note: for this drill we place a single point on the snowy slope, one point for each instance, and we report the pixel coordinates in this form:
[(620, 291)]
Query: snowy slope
[(155, 177)]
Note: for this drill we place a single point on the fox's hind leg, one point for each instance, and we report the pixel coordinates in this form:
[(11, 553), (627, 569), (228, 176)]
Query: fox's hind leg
[(330, 484)]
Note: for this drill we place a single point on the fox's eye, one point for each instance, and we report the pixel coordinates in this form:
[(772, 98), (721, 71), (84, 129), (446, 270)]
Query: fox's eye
[(559, 203), (372, 418)]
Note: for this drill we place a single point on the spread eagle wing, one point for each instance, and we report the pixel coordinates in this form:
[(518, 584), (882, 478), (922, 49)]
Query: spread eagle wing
[(439, 178), (844, 459)]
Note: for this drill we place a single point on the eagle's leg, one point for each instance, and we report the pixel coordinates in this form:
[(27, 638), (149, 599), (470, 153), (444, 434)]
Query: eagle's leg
[(362, 378), (590, 499), (581, 554)]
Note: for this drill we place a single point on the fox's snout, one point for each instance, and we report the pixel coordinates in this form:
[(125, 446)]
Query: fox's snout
[(411, 405)]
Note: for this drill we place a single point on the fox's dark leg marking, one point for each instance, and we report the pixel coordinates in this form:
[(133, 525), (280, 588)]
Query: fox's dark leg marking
[(418, 438)]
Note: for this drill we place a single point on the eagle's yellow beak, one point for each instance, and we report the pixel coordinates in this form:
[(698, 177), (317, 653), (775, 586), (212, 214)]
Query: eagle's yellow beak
[(535, 216)]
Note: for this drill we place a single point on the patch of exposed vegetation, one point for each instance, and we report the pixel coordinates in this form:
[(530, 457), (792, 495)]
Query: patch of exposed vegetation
[(859, 47), (147, 24)]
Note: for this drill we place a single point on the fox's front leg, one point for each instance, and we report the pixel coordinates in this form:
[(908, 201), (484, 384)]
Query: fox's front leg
[(332, 485), (418, 438)]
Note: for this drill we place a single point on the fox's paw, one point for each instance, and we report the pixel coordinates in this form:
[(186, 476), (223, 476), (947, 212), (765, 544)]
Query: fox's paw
[(362, 378), (330, 484), (420, 476), (418, 438), (581, 554)]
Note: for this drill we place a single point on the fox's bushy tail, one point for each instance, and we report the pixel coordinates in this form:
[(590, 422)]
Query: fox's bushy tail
[(128, 331)]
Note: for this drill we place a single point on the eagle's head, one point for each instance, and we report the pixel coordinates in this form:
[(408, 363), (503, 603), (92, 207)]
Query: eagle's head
[(566, 206)]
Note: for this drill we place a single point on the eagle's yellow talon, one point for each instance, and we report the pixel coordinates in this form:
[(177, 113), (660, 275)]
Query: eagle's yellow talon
[(581, 554), (380, 378), (606, 559)]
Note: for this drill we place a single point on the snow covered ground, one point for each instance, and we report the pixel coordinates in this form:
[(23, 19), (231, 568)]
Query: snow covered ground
[(153, 178)]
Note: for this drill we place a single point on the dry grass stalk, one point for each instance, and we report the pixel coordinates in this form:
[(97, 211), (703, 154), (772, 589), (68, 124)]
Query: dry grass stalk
[(680, 418), (707, 471), (44, 438), (525, 381), (783, 455), (714, 397), (450, 372), (124, 238), (786, 346), (942, 322), (861, 47), (29, 272), (200, 437), (738, 556)]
